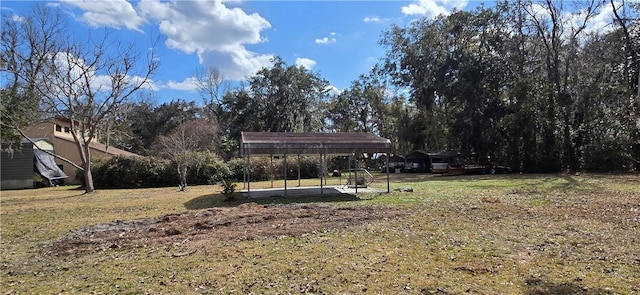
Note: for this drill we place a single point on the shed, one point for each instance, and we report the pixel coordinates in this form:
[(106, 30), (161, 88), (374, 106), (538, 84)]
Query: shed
[(418, 161), (396, 163), (18, 166), (309, 143)]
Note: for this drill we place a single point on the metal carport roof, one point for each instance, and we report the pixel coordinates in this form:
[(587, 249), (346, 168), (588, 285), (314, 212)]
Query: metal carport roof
[(310, 143)]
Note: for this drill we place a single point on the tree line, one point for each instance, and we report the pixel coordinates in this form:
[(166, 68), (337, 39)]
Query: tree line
[(529, 84)]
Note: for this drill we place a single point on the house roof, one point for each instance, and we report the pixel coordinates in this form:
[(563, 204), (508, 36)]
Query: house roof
[(278, 143), (104, 148)]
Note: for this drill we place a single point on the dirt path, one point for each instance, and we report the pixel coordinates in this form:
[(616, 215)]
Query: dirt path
[(246, 221)]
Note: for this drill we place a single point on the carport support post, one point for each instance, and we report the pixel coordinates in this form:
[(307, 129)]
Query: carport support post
[(388, 155), (355, 169), (285, 175), (247, 168), (298, 170), (244, 173), (321, 174), (349, 170), (325, 170)]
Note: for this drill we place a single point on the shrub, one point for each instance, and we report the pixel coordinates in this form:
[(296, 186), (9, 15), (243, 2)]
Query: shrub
[(228, 189), (209, 169), (607, 157), (259, 168), (131, 172), (125, 172), (262, 168)]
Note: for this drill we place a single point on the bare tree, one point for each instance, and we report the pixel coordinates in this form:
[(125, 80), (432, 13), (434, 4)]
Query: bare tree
[(24, 45), (211, 86), (183, 144), (84, 81)]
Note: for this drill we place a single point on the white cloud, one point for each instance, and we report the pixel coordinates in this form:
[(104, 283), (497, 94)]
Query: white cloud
[(17, 18), (237, 64), (433, 8), (148, 85), (326, 40), (72, 68), (188, 84), (217, 33), (305, 62), (110, 13), (332, 90), (601, 22), (538, 11), (372, 19)]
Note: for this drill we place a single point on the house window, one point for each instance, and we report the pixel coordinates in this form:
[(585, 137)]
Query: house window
[(67, 130), (58, 128)]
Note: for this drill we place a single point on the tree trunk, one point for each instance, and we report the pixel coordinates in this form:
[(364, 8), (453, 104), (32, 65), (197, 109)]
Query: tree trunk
[(86, 165), (182, 173), (88, 178)]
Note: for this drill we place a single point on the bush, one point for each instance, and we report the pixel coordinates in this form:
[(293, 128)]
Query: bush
[(132, 172), (260, 168), (209, 170), (608, 157), (228, 189)]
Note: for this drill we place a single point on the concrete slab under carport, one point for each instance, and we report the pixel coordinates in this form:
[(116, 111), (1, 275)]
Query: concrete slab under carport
[(307, 191)]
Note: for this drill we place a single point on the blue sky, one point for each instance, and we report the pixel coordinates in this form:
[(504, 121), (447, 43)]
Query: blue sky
[(337, 39)]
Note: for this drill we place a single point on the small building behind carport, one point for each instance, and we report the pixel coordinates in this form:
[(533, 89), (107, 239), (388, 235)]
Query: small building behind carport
[(396, 164), (422, 161), (418, 161)]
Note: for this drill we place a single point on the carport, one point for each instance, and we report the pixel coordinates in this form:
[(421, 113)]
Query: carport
[(309, 143)]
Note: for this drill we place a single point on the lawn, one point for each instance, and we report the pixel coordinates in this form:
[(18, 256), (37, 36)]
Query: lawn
[(498, 234)]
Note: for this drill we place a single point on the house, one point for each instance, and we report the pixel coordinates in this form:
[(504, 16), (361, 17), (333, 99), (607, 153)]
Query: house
[(33, 163), (58, 131)]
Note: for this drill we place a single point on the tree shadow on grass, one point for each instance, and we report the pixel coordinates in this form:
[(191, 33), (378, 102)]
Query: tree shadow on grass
[(534, 286), (422, 177), (573, 183), (218, 200)]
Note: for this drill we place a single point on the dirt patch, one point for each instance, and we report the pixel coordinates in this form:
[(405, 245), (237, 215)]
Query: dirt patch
[(246, 221)]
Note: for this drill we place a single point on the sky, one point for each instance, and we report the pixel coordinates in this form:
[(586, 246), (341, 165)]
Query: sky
[(336, 39)]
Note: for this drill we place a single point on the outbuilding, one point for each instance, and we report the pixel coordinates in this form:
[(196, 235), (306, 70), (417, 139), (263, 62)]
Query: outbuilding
[(22, 168), (310, 143)]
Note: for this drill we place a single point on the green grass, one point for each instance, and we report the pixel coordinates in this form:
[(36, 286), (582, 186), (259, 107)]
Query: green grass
[(499, 234)]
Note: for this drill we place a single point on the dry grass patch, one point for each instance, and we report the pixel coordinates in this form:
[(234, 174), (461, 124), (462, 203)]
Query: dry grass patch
[(513, 234)]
